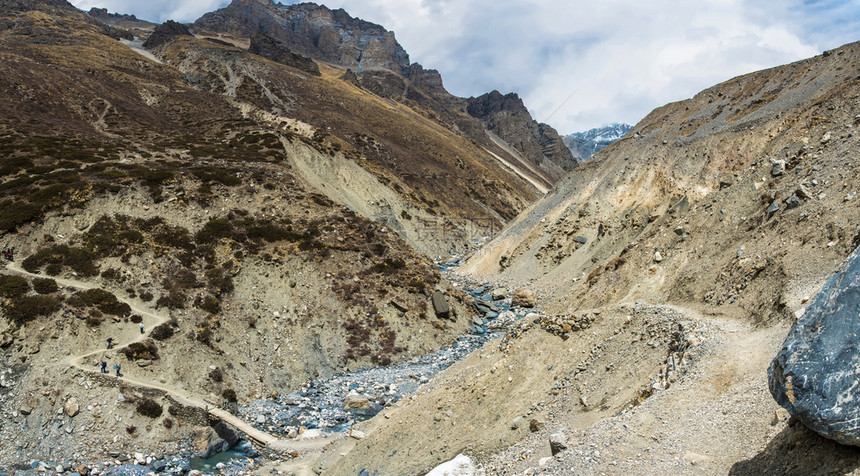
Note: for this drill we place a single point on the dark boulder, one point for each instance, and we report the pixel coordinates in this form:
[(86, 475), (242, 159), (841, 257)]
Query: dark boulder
[(440, 305), (816, 375)]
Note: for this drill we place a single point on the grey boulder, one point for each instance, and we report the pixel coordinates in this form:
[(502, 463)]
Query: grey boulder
[(816, 374)]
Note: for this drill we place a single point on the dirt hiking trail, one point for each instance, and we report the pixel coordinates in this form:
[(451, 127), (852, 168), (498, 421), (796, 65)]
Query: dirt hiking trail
[(151, 320)]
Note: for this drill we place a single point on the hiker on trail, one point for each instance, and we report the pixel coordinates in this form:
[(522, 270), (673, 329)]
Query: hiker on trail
[(103, 366), (141, 327), (117, 367), (110, 342)]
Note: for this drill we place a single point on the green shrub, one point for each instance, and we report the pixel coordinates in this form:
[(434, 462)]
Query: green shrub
[(162, 331), (16, 213), (216, 375), (268, 231), (172, 300), (45, 286), (149, 407), (209, 304), (105, 301), (230, 395), (95, 318), (78, 259), (141, 350), (389, 266), (174, 237), (28, 308), (214, 230), (13, 286), (213, 174), (111, 274)]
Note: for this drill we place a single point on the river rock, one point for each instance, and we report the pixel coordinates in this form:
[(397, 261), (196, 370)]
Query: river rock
[(25, 409), (72, 407), (212, 440), (355, 401), (814, 376), (499, 294), (440, 305), (523, 298)]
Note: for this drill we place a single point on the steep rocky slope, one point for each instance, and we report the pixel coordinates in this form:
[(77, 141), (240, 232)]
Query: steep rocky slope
[(744, 191), (669, 269), (377, 63)]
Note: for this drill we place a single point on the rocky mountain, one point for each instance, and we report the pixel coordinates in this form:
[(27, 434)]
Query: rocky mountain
[(507, 117), (377, 63), (585, 144), (312, 30)]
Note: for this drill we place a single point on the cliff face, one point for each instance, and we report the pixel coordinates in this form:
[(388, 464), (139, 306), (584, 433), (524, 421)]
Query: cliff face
[(379, 64), (507, 116), (311, 30)]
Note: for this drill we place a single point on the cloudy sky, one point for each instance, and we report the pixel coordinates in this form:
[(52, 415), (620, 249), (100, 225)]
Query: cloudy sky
[(579, 64)]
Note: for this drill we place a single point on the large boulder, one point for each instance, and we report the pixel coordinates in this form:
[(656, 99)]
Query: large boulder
[(440, 304), (72, 407), (355, 401), (817, 373), (524, 298), (210, 440)]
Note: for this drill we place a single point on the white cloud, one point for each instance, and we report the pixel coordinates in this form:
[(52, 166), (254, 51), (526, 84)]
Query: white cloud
[(156, 10), (615, 59)]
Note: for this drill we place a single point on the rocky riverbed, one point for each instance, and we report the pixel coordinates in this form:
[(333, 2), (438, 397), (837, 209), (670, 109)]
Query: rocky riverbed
[(333, 404)]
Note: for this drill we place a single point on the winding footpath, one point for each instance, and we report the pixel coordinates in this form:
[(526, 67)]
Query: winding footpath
[(183, 397)]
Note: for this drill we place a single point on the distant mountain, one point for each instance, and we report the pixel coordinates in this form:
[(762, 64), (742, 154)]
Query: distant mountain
[(585, 144)]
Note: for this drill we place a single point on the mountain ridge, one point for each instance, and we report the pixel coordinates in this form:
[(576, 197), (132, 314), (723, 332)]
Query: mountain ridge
[(381, 65)]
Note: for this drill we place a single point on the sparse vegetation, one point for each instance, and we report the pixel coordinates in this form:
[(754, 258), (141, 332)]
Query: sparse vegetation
[(13, 286), (230, 395), (141, 350), (45, 286), (163, 331), (104, 301), (149, 408), (27, 308)]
